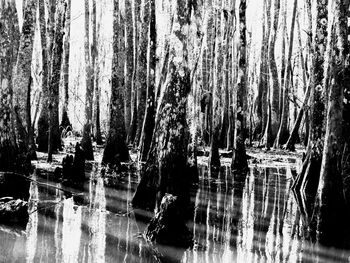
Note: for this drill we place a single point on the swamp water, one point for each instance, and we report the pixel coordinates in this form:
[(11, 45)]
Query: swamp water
[(252, 218)]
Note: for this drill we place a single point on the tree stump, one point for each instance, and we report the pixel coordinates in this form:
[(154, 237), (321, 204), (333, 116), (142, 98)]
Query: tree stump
[(73, 169), (168, 225)]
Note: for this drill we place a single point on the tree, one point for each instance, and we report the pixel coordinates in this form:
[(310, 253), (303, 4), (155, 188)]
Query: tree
[(330, 201), (65, 67), (55, 74), (116, 149), (11, 156), (239, 158), (22, 79), (149, 122), (166, 168), (47, 32), (86, 142)]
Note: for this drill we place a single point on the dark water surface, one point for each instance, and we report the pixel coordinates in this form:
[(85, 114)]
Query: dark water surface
[(252, 218)]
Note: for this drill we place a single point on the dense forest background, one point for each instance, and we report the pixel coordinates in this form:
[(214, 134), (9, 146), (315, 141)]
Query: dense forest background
[(157, 84)]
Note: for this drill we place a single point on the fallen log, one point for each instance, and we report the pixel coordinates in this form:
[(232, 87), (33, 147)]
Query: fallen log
[(14, 211)]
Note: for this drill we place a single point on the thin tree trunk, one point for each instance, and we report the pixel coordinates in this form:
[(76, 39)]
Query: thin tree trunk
[(86, 142), (116, 150), (129, 63), (65, 123), (149, 121), (239, 157), (57, 51), (283, 132)]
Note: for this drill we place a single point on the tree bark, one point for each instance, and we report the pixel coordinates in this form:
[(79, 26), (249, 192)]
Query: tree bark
[(166, 166), (86, 142), (239, 157), (330, 203), (116, 149), (283, 132), (65, 123), (21, 81), (57, 51), (149, 122)]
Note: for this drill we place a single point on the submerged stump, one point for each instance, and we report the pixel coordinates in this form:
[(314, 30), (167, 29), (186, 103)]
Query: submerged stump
[(13, 211), (168, 225)]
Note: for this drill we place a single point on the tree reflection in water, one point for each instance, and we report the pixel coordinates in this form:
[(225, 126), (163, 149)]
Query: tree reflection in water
[(249, 217)]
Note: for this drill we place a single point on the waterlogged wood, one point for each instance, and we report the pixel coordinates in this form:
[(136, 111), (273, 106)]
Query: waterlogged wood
[(14, 211), (166, 169), (116, 149)]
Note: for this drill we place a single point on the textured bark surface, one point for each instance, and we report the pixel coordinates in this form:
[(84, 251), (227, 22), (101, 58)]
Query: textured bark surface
[(116, 149), (86, 142), (166, 168), (149, 120), (239, 158), (141, 71), (22, 75), (55, 75), (65, 123), (214, 158), (330, 199), (283, 131)]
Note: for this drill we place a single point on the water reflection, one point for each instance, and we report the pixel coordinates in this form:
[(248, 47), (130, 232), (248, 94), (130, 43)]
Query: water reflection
[(237, 218)]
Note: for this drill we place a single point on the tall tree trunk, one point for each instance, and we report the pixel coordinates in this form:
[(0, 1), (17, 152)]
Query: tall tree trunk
[(141, 71), (330, 199), (166, 166), (47, 38), (11, 157), (239, 157), (116, 149), (274, 87), (283, 132), (21, 81), (65, 68), (129, 62), (97, 68), (149, 122), (86, 142), (214, 158), (57, 51)]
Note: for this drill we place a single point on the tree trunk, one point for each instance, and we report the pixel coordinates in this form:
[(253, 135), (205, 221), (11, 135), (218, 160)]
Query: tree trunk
[(283, 132), (86, 142), (149, 122), (239, 158), (21, 81), (129, 63), (46, 38), (57, 50), (330, 199), (116, 149), (65, 123), (141, 71), (214, 158), (274, 87), (97, 69), (11, 157), (166, 166)]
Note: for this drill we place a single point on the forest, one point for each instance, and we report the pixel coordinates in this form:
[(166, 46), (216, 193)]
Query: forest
[(174, 131)]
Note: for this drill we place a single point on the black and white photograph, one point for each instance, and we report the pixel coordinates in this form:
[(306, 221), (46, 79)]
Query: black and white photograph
[(174, 131)]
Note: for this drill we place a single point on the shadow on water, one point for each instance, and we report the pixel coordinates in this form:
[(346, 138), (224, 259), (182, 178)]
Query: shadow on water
[(250, 217)]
